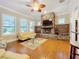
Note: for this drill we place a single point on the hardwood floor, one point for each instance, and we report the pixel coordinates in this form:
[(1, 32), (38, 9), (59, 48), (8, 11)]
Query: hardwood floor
[(51, 49)]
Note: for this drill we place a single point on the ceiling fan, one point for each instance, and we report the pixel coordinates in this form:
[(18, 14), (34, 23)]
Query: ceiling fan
[(36, 5)]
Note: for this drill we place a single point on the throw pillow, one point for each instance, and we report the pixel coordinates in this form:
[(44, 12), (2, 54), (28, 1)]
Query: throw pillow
[(2, 53)]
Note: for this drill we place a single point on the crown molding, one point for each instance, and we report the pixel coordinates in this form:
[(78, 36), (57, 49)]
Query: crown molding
[(12, 10)]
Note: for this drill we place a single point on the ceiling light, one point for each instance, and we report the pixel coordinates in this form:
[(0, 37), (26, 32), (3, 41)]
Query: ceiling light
[(44, 12), (37, 5)]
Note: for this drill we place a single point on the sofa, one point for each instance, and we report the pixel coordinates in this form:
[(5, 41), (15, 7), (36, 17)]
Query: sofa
[(11, 55), (26, 35)]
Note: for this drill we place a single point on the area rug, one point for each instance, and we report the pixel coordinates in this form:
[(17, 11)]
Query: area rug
[(33, 43)]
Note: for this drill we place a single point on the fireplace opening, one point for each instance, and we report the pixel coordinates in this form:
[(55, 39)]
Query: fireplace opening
[(47, 30), (47, 23)]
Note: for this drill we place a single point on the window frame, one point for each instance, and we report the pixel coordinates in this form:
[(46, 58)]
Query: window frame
[(31, 25), (13, 18), (60, 19), (26, 26)]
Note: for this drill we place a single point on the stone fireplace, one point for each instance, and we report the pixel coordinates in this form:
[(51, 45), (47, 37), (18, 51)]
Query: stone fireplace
[(48, 23)]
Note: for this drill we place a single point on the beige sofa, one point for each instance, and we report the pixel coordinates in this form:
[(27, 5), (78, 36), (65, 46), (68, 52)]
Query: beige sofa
[(26, 35), (11, 55)]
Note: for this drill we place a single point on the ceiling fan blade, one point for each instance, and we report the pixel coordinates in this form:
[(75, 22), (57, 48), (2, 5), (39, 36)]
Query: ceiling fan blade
[(28, 5)]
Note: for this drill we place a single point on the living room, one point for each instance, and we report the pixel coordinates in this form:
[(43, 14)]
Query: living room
[(39, 29)]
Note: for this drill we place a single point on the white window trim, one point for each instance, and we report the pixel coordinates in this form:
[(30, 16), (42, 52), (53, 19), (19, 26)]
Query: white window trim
[(26, 25), (10, 33)]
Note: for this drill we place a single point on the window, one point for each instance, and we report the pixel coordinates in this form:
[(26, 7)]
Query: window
[(31, 26), (61, 21), (8, 24), (23, 25)]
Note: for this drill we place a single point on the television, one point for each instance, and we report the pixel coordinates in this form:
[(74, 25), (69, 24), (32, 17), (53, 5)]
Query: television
[(47, 23)]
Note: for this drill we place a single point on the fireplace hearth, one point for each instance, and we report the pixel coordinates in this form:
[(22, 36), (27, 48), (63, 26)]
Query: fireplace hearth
[(47, 29)]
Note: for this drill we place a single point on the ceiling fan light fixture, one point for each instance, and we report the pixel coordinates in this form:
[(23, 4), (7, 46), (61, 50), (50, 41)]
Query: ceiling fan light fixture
[(42, 5), (36, 6), (39, 10)]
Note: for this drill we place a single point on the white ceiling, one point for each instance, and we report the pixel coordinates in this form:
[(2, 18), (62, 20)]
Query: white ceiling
[(51, 5)]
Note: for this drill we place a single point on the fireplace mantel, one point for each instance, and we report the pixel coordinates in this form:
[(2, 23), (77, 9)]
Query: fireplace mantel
[(44, 27)]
